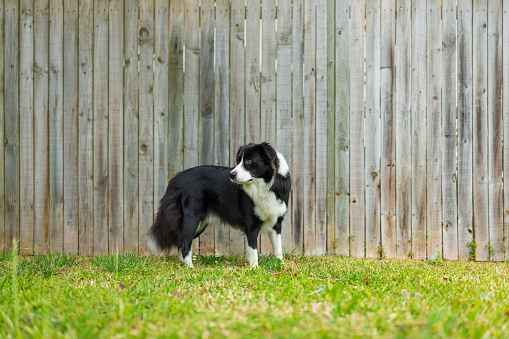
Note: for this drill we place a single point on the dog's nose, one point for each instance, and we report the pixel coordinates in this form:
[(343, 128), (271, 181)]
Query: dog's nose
[(232, 175)]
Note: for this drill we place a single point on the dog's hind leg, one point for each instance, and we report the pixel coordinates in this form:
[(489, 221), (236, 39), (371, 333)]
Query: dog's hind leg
[(190, 223)]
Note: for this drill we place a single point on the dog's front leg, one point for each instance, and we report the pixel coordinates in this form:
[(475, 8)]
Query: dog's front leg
[(252, 248)]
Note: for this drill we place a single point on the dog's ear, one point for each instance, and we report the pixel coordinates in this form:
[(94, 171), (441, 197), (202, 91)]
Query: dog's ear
[(271, 155)]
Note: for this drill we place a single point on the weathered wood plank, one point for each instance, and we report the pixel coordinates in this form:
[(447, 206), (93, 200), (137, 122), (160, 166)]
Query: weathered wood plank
[(321, 127), (418, 130), (433, 101), (100, 140), (26, 142), (191, 88), (297, 165), (464, 85), (268, 87), (357, 201), (342, 132), (115, 131), (480, 129), (403, 131), (309, 113), (449, 189), (252, 72), (3, 239), (284, 103), (56, 138), (70, 78), (331, 125), (131, 119), (505, 109), (85, 156), (146, 120), (207, 105), (176, 88), (11, 124), (237, 110), (161, 112), (222, 111), (496, 248), (372, 138)]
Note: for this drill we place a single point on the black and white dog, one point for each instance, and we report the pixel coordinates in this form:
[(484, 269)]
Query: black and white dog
[(251, 197)]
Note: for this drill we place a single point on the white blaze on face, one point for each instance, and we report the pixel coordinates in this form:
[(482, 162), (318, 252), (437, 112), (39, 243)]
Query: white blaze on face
[(242, 175)]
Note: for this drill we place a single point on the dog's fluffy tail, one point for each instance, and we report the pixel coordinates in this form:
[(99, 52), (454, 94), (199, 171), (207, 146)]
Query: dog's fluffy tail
[(165, 232)]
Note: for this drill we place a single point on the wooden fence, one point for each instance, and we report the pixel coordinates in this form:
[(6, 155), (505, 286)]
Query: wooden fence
[(390, 114)]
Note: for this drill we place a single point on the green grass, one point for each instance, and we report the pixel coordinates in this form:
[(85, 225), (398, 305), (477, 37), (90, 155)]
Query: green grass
[(58, 295)]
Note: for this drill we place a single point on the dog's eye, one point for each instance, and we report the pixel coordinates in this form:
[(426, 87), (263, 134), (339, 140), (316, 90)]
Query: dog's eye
[(248, 161)]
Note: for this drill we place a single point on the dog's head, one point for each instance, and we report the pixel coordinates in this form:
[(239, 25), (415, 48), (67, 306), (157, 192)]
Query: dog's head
[(255, 161)]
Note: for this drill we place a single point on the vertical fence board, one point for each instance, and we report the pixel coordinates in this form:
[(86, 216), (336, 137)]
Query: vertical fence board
[(321, 127), (191, 87), (146, 120), (161, 109), (252, 71), (495, 133), (131, 118), (26, 112), (505, 110), (236, 95), (418, 129), (372, 139), (85, 107), (100, 140), (3, 239), (357, 201), (464, 85), (403, 131), (480, 129), (70, 79), (268, 87), (449, 189), (56, 124), (284, 103), (434, 177), (309, 113), (222, 114), (297, 165), (11, 124), (342, 132), (115, 130), (331, 125), (207, 105)]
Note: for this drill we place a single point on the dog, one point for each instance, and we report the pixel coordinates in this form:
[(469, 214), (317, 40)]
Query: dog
[(252, 197)]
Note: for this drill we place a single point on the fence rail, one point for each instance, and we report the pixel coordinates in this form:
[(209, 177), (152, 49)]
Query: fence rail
[(390, 113)]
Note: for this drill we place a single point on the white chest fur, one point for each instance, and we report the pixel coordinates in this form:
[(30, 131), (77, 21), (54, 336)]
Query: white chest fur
[(267, 207)]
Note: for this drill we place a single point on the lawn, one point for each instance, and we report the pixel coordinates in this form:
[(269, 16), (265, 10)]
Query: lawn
[(58, 295)]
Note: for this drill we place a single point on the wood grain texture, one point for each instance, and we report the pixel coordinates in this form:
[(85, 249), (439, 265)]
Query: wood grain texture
[(480, 129), (321, 127), (236, 95), (464, 85), (252, 71), (342, 132), (71, 221), (357, 201), (26, 118), (3, 240), (418, 135), (297, 165), (284, 103), (505, 117), (131, 120), (403, 130), (56, 137), (207, 105), (85, 128), (268, 87), (309, 113), (372, 137), (100, 138), (496, 248), (115, 127), (146, 120), (331, 125), (449, 161)]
